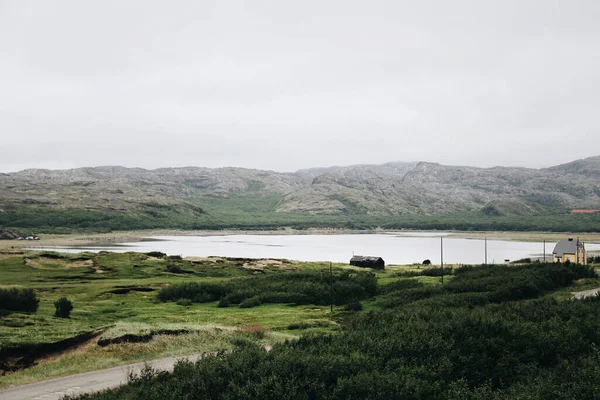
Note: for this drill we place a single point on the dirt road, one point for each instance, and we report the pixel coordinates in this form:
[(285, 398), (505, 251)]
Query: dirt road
[(586, 293), (85, 383)]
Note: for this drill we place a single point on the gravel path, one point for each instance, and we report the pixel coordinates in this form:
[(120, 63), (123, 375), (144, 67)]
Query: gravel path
[(85, 383)]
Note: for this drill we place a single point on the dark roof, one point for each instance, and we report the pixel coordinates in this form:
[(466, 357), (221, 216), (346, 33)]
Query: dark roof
[(566, 247), (366, 259)]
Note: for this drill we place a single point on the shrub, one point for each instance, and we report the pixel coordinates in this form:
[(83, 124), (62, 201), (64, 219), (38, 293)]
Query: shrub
[(594, 260), (63, 308), (256, 331), (198, 292), (223, 303), (17, 299), (401, 284), (437, 271), (306, 325), (427, 262), (354, 306), (250, 302), (285, 287), (534, 349), (184, 302), (175, 269), (299, 325), (156, 254)]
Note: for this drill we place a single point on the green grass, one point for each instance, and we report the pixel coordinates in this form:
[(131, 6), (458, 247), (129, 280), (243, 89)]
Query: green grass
[(89, 281), (492, 332), (254, 211)]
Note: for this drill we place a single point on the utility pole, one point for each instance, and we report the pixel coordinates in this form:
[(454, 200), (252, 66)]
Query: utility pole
[(544, 251), (331, 286), (485, 240), (442, 257)]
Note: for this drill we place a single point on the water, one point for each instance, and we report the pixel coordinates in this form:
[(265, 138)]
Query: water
[(394, 248)]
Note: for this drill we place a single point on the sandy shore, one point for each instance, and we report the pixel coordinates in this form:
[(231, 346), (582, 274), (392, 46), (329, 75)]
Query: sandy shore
[(136, 236), (86, 239)]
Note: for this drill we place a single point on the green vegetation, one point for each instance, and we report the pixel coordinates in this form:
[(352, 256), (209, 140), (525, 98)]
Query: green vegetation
[(493, 332), (256, 212), (63, 308), (289, 287), (117, 318), (18, 299), (498, 332)]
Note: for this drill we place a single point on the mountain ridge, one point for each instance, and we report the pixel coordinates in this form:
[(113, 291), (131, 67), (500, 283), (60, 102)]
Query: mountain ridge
[(394, 188)]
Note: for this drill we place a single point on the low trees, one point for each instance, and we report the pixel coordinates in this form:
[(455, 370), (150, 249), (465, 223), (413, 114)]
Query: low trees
[(63, 308), (18, 299)]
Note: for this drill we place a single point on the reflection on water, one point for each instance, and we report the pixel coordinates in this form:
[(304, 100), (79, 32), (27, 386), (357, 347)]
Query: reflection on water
[(394, 247)]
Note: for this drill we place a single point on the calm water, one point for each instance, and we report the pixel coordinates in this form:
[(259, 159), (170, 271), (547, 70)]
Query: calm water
[(395, 248)]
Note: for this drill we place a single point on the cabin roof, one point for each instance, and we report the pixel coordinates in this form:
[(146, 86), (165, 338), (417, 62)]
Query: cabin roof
[(568, 246), (366, 258)]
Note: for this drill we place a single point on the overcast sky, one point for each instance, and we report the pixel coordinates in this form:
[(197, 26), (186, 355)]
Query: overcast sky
[(283, 85)]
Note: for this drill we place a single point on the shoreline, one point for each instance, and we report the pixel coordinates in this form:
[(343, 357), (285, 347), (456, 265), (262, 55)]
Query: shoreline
[(98, 239)]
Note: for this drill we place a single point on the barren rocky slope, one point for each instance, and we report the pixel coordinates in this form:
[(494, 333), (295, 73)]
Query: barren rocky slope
[(432, 188), (388, 189)]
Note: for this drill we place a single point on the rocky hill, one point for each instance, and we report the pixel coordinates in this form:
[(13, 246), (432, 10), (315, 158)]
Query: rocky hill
[(388, 189), (433, 188)]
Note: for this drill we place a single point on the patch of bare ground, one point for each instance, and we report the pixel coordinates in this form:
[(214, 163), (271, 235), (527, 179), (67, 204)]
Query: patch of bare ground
[(141, 338), (259, 265), (25, 356), (48, 263)]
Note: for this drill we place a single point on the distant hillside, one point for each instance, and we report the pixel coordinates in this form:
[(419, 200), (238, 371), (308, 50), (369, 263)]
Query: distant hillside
[(432, 188), (589, 167), (198, 197)]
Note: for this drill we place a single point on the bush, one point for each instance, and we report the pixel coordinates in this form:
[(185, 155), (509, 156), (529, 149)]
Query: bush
[(354, 306), (256, 331), (17, 299), (299, 325), (427, 262), (184, 302), (437, 271), (285, 287), (223, 303), (401, 284), (307, 325), (198, 292), (175, 269), (156, 254), (533, 349), (250, 302), (63, 308)]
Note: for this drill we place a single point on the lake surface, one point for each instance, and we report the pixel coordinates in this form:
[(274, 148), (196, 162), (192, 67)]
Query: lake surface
[(394, 248)]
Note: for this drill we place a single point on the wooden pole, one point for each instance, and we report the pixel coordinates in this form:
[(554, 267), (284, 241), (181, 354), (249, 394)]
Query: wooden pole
[(544, 251), (442, 257), (331, 286), (485, 240)]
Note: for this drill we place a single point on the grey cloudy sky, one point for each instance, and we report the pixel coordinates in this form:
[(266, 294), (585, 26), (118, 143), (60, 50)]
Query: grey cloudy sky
[(283, 85)]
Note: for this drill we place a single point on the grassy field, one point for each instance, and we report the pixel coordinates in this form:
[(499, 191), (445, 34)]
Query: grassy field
[(491, 332), (115, 295), (115, 298)]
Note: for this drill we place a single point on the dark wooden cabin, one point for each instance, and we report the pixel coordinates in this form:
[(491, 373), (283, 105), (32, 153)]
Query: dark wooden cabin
[(368, 262)]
